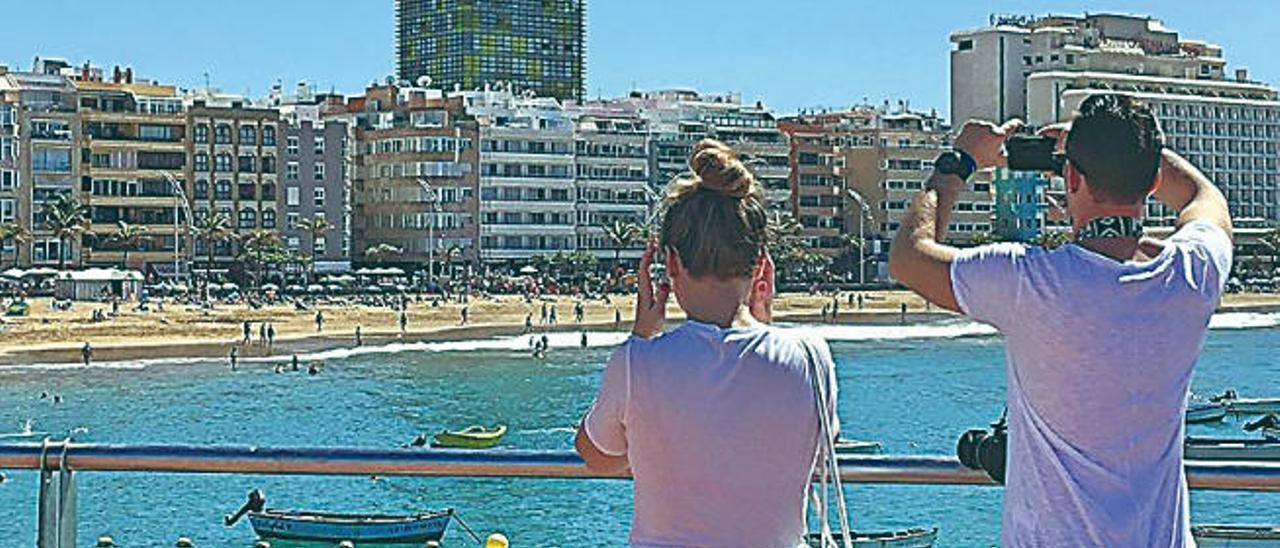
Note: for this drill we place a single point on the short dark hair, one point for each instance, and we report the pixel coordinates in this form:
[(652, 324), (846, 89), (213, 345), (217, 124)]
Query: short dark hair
[(1115, 143)]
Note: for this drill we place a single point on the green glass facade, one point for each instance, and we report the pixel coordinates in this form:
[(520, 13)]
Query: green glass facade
[(535, 45)]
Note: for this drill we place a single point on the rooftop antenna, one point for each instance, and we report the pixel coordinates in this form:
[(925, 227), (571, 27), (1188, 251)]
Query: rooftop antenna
[(206, 80)]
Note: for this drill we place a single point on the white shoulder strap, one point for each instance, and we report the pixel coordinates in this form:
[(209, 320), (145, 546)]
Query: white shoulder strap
[(826, 463)]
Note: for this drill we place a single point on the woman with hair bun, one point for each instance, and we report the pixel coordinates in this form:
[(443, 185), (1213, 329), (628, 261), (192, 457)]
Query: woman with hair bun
[(716, 419)]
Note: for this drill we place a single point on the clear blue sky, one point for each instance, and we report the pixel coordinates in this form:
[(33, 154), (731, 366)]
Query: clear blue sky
[(789, 53)]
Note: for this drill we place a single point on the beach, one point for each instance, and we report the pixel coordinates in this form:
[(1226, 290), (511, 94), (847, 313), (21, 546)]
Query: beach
[(186, 331)]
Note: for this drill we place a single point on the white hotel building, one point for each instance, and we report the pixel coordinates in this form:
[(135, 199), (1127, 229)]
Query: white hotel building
[(527, 191), (612, 169)]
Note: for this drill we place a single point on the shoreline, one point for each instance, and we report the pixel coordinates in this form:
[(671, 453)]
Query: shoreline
[(217, 349)]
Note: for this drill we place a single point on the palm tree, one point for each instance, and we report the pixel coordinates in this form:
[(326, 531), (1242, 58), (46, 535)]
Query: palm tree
[(67, 218), (212, 228), (129, 235), (15, 232), (621, 235), (1270, 243), (260, 243), (381, 252), (983, 238), (316, 227)]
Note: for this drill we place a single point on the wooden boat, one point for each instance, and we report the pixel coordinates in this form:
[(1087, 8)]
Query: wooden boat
[(360, 529), (472, 437), (304, 528), (904, 538), (17, 308), (1231, 449), (1201, 412), (1247, 406), (1242, 536), (857, 447)]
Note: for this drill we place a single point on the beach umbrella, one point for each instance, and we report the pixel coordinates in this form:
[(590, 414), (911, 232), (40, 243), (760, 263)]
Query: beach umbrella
[(293, 289), (42, 271), (315, 288), (230, 287), (530, 269), (14, 273), (334, 288), (270, 287)]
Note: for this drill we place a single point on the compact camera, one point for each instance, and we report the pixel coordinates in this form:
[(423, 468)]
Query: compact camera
[(986, 450), (1034, 153)]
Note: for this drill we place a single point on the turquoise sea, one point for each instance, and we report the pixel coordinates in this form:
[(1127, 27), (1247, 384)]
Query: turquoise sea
[(914, 388)]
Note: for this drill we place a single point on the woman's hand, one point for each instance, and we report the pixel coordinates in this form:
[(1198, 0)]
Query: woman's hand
[(651, 302), (762, 289)]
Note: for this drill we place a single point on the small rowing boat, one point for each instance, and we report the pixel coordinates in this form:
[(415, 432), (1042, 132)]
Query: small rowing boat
[(1231, 449), (905, 538), (1268, 426), (302, 527), (857, 447), (1247, 406), (1242, 536), (472, 437), (1202, 412)]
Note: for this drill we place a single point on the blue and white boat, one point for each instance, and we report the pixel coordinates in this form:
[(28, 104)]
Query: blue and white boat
[(1201, 412), (360, 529)]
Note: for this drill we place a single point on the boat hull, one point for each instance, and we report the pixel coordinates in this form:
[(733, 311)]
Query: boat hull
[(906, 538), (1236, 536), (1231, 449), (466, 439), (312, 527), (1206, 413), (857, 447), (1254, 406)]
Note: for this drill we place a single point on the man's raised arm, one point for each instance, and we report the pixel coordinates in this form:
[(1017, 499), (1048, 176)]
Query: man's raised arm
[(918, 258), (1184, 189)]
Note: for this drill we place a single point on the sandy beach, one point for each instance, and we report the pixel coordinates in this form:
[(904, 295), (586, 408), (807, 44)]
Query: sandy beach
[(56, 336)]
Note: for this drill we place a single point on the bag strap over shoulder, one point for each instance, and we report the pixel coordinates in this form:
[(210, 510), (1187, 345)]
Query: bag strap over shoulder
[(826, 464)]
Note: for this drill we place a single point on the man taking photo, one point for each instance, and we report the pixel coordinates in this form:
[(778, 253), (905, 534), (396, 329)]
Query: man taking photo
[(1101, 333)]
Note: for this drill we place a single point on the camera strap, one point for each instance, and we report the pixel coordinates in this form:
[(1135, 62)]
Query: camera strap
[(1111, 227), (826, 465)]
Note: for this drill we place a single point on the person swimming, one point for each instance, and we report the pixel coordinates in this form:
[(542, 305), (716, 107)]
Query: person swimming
[(294, 362)]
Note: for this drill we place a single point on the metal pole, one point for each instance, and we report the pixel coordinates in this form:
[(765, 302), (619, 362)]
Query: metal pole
[(903, 469), (862, 245)]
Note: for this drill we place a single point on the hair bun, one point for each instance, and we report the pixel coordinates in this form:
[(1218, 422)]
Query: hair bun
[(718, 168)]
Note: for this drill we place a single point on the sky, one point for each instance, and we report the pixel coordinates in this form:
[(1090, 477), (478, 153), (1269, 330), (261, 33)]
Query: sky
[(790, 54)]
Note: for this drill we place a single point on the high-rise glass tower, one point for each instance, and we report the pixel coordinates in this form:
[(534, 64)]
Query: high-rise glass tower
[(536, 45)]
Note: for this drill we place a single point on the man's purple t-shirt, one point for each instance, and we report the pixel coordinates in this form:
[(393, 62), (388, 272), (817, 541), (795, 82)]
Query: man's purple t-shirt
[(1100, 355), (720, 428)]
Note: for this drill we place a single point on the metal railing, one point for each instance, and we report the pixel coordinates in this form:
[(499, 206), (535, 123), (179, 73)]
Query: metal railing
[(57, 462)]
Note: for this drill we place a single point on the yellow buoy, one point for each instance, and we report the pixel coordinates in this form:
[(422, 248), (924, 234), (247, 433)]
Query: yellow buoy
[(497, 540), (105, 541), (184, 542)]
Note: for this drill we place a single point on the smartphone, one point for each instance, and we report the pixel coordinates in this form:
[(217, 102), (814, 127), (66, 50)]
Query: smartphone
[(658, 268), (1034, 153)]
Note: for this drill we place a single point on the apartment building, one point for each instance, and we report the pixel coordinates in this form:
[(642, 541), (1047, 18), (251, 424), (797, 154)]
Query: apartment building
[(463, 45), (233, 158), (990, 66), (528, 195), (414, 175), (856, 171), (1230, 129), (678, 119), (133, 164), (316, 178), (611, 169)]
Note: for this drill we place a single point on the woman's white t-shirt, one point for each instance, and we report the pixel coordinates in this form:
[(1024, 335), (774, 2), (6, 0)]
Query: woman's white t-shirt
[(720, 428)]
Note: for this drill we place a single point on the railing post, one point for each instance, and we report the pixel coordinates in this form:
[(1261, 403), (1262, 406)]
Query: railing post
[(56, 504), (46, 503)]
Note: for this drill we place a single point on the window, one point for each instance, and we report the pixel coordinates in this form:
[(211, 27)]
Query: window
[(291, 220), (47, 160), (248, 135), (201, 133), (319, 149), (8, 210), (1071, 58), (291, 171), (6, 148), (268, 218), (161, 160), (202, 189), (966, 45), (8, 180), (222, 162), (148, 132), (222, 189), (318, 244), (222, 134), (319, 171), (319, 197), (291, 144), (248, 218), (292, 197), (201, 162), (6, 115), (268, 163), (247, 163), (269, 136)]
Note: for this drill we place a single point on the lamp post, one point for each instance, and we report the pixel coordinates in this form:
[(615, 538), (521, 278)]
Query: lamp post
[(179, 197), (434, 204), (863, 212)]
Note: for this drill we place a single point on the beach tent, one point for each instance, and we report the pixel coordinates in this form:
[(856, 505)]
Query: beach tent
[(14, 273), (42, 271), (529, 270), (98, 284)]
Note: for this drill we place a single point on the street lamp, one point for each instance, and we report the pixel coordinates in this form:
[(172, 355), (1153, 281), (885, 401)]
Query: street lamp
[(864, 212), (179, 197), (434, 201)]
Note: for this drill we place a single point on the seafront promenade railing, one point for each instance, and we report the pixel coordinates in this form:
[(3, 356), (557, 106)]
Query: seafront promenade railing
[(58, 461)]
